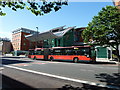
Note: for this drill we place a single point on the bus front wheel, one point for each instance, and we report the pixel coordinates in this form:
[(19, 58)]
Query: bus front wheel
[(75, 60)]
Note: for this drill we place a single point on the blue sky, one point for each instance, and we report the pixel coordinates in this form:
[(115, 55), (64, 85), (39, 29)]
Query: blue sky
[(77, 14)]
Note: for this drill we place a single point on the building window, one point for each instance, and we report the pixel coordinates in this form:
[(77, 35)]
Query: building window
[(58, 42)]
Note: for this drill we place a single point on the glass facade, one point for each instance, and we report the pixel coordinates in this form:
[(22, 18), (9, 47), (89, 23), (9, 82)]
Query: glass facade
[(66, 40)]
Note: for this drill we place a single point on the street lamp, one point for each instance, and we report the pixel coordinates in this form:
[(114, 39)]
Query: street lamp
[(37, 38)]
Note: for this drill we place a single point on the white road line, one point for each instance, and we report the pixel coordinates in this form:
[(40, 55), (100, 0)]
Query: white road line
[(61, 77), (1, 68)]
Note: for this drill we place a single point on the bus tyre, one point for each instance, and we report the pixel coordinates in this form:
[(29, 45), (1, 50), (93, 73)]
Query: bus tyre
[(34, 58), (75, 60), (51, 58)]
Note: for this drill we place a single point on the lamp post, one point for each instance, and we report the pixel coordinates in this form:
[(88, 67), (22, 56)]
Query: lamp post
[(37, 38)]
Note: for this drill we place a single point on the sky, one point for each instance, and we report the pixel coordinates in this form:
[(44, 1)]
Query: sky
[(77, 14)]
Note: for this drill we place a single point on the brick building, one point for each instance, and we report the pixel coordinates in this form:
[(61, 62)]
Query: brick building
[(5, 45), (117, 3), (19, 42)]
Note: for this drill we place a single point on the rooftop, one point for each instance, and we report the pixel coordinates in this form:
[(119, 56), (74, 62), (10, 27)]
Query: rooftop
[(24, 30), (51, 34)]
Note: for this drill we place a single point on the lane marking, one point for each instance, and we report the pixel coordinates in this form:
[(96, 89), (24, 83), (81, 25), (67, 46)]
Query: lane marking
[(21, 64), (37, 63), (28, 64), (64, 78), (1, 68)]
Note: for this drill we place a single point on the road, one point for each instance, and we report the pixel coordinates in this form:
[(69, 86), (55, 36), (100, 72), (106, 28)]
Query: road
[(53, 74)]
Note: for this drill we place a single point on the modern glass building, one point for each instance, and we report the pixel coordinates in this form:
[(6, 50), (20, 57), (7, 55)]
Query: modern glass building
[(60, 36)]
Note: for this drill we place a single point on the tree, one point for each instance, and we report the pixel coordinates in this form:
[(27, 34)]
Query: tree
[(104, 28), (37, 8)]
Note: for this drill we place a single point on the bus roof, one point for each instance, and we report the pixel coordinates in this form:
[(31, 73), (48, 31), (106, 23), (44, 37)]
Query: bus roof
[(31, 49), (39, 48), (69, 47), (61, 47)]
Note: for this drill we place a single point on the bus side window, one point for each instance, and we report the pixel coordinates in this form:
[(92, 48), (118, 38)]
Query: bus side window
[(51, 52), (78, 52), (75, 52), (70, 52), (38, 52), (42, 52)]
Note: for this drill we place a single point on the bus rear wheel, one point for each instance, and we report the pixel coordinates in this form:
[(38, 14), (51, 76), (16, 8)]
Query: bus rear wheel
[(75, 60), (51, 58)]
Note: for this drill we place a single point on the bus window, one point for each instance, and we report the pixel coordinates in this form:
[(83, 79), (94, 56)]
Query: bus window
[(85, 51), (39, 52), (68, 52), (57, 52), (81, 51), (51, 52), (31, 52)]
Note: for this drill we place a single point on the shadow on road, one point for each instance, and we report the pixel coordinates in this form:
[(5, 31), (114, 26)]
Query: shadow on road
[(11, 84), (7, 61), (113, 79), (13, 57), (84, 87)]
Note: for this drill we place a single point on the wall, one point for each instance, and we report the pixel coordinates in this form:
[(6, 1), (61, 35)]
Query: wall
[(7, 47), (16, 41), (24, 42)]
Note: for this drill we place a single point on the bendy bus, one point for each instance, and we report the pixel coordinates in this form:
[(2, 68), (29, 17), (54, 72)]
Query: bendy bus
[(73, 53)]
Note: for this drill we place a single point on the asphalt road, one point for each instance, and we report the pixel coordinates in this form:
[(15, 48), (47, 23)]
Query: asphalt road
[(47, 74)]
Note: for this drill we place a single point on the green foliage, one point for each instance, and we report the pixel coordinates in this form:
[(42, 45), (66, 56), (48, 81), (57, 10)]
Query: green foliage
[(37, 8), (104, 27)]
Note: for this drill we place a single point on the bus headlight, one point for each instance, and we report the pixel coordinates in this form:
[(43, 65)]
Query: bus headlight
[(87, 56)]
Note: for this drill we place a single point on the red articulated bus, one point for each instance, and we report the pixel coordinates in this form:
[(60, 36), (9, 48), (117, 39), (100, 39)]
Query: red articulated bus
[(73, 53)]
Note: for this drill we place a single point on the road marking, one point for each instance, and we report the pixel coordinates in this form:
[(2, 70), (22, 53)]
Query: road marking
[(64, 78), (53, 62), (1, 68), (37, 63), (28, 64), (21, 64)]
